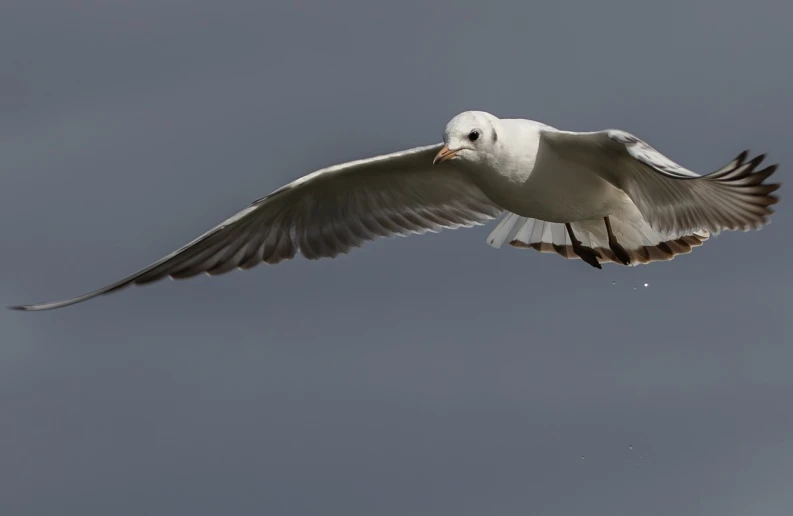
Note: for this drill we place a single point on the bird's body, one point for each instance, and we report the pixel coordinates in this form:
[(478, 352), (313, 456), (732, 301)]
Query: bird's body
[(600, 196), (540, 185)]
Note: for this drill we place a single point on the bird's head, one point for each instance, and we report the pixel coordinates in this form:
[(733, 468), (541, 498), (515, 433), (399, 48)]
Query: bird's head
[(469, 137)]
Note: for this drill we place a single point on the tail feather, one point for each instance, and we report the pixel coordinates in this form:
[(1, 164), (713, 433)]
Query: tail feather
[(641, 241)]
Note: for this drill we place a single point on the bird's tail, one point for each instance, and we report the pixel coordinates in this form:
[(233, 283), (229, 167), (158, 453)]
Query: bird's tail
[(644, 245)]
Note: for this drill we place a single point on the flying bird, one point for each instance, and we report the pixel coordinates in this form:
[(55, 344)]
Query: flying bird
[(603, 196)]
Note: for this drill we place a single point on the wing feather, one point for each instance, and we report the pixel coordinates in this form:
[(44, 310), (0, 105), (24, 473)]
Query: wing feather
[(325, 214), (674, 200)]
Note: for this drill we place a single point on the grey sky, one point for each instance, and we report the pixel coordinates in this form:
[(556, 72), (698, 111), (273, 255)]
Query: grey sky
[(428, 375)]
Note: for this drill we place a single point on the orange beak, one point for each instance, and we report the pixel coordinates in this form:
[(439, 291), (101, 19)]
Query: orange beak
[(443, 155)]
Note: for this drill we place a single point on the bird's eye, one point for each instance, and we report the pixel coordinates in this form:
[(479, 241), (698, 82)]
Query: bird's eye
[(473, 135)]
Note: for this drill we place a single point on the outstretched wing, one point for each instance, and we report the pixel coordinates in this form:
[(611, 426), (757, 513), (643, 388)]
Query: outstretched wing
[(674, 200), (324, 214)]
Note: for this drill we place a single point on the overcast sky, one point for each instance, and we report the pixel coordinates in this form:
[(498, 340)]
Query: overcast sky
[(432, 375)]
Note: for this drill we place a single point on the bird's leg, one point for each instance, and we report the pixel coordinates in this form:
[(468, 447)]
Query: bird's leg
[(587, 254), (619, 251)]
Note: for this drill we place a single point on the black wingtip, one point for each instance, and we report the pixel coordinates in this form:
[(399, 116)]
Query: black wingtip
[(757, 160), (20, 308)]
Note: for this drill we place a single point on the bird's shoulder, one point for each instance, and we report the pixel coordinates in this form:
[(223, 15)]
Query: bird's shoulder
[(524, 124)]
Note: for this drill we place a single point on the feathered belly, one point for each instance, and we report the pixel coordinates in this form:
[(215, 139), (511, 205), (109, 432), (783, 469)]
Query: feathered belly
[(566, 194)]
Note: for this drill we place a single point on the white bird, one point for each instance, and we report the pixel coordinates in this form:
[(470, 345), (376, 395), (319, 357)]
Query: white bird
[(603, 196)]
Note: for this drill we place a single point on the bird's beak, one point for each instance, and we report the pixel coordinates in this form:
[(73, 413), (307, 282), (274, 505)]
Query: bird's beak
[(443, 155)]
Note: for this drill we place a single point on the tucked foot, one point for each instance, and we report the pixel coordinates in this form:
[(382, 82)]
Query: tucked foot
[(588, 254), (620, 252)]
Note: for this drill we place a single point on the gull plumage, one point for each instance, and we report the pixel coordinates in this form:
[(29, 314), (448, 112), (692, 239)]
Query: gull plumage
[(603, 196)]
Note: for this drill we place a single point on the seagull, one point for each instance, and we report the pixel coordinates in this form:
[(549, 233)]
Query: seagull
[(603, 196)]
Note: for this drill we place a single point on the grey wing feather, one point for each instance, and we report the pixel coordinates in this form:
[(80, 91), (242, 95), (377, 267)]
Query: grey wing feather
[(675, 200), (324, 214)]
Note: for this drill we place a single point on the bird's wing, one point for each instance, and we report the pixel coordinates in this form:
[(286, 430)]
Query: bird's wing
[(673, 199), (324, 214)]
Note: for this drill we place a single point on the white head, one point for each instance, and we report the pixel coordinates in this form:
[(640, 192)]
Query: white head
[(470, 137)]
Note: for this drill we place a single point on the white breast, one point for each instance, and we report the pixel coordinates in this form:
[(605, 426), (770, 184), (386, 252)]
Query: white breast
[(528, 179)]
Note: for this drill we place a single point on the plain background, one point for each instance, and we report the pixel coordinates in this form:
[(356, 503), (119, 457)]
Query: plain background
[(430, 375)]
